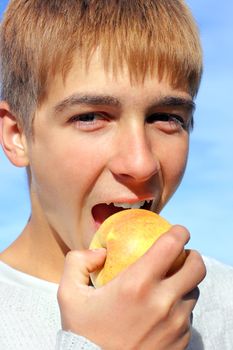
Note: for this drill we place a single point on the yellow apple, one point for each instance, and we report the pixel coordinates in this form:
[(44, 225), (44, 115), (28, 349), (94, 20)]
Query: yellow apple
[(127, 235)]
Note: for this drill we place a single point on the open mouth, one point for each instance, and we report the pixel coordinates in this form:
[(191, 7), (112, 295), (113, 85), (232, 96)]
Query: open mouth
[(102, 211)]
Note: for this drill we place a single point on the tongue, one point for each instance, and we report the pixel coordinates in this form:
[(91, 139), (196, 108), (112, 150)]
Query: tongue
[(102, 211)]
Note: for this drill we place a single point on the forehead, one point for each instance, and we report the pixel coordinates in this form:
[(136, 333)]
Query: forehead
[(97, 79)]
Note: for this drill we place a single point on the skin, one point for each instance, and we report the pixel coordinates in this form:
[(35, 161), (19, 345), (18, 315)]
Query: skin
[(122, 155)]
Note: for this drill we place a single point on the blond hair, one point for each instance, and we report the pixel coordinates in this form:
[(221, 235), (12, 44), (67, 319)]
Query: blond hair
[(40, 38)]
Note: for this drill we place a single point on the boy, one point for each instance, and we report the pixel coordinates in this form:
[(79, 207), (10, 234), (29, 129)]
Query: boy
[(97, 105)]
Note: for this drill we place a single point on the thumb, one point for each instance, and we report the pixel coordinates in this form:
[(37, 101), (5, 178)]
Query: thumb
[(74, 292), (79, 265)]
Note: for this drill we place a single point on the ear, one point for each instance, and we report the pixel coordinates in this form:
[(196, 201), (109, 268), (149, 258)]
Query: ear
[(12, 138)]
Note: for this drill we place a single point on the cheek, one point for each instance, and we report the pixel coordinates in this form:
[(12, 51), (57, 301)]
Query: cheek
[(173, 167), (176, 162), (67, 170), (176, 173)]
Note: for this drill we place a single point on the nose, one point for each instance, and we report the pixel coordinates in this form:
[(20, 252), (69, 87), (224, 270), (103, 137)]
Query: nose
[(134, 158)]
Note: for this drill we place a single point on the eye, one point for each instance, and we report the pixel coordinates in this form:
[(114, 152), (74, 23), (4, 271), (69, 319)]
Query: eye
[(168, 122), (89, 121)]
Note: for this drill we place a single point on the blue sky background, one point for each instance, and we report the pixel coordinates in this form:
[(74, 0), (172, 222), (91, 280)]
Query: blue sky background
[(204, 202)]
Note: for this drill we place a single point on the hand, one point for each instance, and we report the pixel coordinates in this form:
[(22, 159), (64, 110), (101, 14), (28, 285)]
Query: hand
[(142, 308)]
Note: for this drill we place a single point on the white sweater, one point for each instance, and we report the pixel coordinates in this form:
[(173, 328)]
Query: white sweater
[(30, 318)]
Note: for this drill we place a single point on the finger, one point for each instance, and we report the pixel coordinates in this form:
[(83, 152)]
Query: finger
[(178, 327), (183, 309), (193, 295), (79, 265), (182, 322), (189, 276), (182, 312), (158, 260)]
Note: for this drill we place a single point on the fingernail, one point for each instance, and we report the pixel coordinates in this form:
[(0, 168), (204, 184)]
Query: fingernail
[(98, 250)]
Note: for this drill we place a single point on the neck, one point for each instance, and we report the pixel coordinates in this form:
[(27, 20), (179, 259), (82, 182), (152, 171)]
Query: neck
[(38, 251)]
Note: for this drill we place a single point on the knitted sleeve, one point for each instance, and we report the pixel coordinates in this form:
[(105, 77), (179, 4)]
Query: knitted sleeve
[(71, 341)]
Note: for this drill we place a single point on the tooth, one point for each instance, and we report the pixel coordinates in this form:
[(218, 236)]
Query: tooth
[(137, 205), (129, 205), (122, 205)]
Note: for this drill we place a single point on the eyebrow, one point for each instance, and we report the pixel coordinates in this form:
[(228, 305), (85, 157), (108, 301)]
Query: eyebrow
[(174, 101), (91, 100), (108, 100)]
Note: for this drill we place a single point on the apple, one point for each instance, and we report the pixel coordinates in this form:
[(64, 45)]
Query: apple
[(127, 235)]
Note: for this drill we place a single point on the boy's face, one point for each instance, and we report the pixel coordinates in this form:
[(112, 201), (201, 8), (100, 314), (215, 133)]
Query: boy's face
[(98, 139)]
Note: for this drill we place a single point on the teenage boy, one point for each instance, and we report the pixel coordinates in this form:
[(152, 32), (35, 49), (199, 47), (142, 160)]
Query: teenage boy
[(98, 106)]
